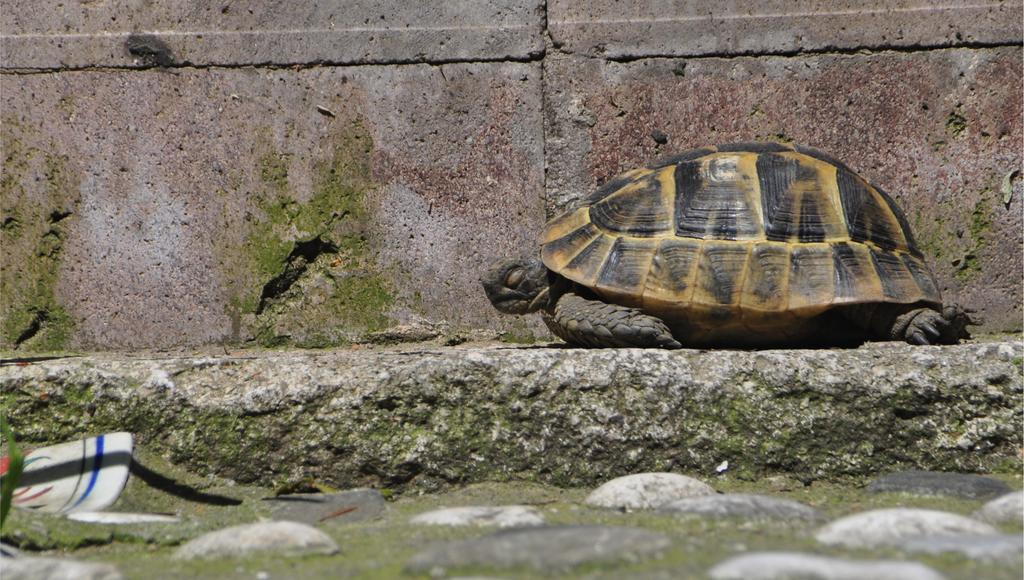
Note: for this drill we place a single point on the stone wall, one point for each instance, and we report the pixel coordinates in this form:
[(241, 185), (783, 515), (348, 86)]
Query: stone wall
[(189, 173)]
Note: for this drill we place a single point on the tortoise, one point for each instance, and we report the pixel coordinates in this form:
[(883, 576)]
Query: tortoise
[(745, 244)]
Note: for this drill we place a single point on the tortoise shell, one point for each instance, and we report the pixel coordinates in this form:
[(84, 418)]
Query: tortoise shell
[(738, 238)]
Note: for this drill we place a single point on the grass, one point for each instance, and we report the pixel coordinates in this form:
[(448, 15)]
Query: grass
[(12, 467)]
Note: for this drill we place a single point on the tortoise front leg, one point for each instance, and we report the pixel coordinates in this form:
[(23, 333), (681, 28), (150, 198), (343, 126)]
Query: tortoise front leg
[(586, 322)]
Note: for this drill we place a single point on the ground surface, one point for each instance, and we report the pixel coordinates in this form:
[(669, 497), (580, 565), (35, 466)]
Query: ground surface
[(381, 546)]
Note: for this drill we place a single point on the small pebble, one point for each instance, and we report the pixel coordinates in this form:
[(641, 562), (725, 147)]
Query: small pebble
[(965, 485), (788, 565), (646, 491), (286, 538), (1003, 510), (886, 527), (56, 569), (742, 505), (502, 516), (1006, 548), (542, 548)]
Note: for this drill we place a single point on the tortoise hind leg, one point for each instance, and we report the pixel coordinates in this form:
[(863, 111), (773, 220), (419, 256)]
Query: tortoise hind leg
[(914, 325), (928, 326), (586, 322)]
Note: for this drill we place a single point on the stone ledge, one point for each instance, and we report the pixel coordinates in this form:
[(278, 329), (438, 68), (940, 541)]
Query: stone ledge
[(273, 48), (55, 37), (639, 28), (438, 416)]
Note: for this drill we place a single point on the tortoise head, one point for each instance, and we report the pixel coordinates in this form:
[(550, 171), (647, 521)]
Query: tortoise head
[(517, 286)]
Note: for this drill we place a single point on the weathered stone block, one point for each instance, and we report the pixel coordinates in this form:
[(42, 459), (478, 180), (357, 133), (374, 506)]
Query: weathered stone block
[(571, 417), (127, 33), (939, 130), (643, 28), (157, 209)]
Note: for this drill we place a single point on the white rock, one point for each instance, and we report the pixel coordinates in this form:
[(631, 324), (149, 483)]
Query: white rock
[(502, 516), (55, 569), (646, 490), (1003, 510), (999, 548), (288, 538), (121, 518), (786, 565), (887, 527)]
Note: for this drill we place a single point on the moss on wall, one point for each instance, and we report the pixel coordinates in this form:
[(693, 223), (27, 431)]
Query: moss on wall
[(519, 333), (960, 240), (32, 234), (968, 266), (313, 279)]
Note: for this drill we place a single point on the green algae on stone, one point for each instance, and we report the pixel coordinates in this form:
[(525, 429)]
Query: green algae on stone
[(931, 233), (956, 124), (313, 278), (33, 227), (571, 417), (956, 236), (968, 266), (519, 333), (777, 137), (274, 170)]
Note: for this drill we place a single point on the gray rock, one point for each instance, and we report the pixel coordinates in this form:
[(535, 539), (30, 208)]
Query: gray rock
[(508, 516), (1006, 548), (742, 505), (886, 527), (56, 569), (1003, 510), (314, 508), (789, 565), (963, 485), (284, 538), (646, 490), (544, 548)]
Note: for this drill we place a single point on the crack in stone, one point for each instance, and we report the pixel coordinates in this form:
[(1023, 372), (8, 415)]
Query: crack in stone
[(39, 317), (298, 261), (796, 53), (532, 56), (57, 215)]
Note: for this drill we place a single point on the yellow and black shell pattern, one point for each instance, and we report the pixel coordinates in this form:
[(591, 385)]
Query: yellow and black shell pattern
[(747, 234)]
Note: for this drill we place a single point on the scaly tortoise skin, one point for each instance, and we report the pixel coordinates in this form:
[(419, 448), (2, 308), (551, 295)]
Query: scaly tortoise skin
[(748, 244)]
